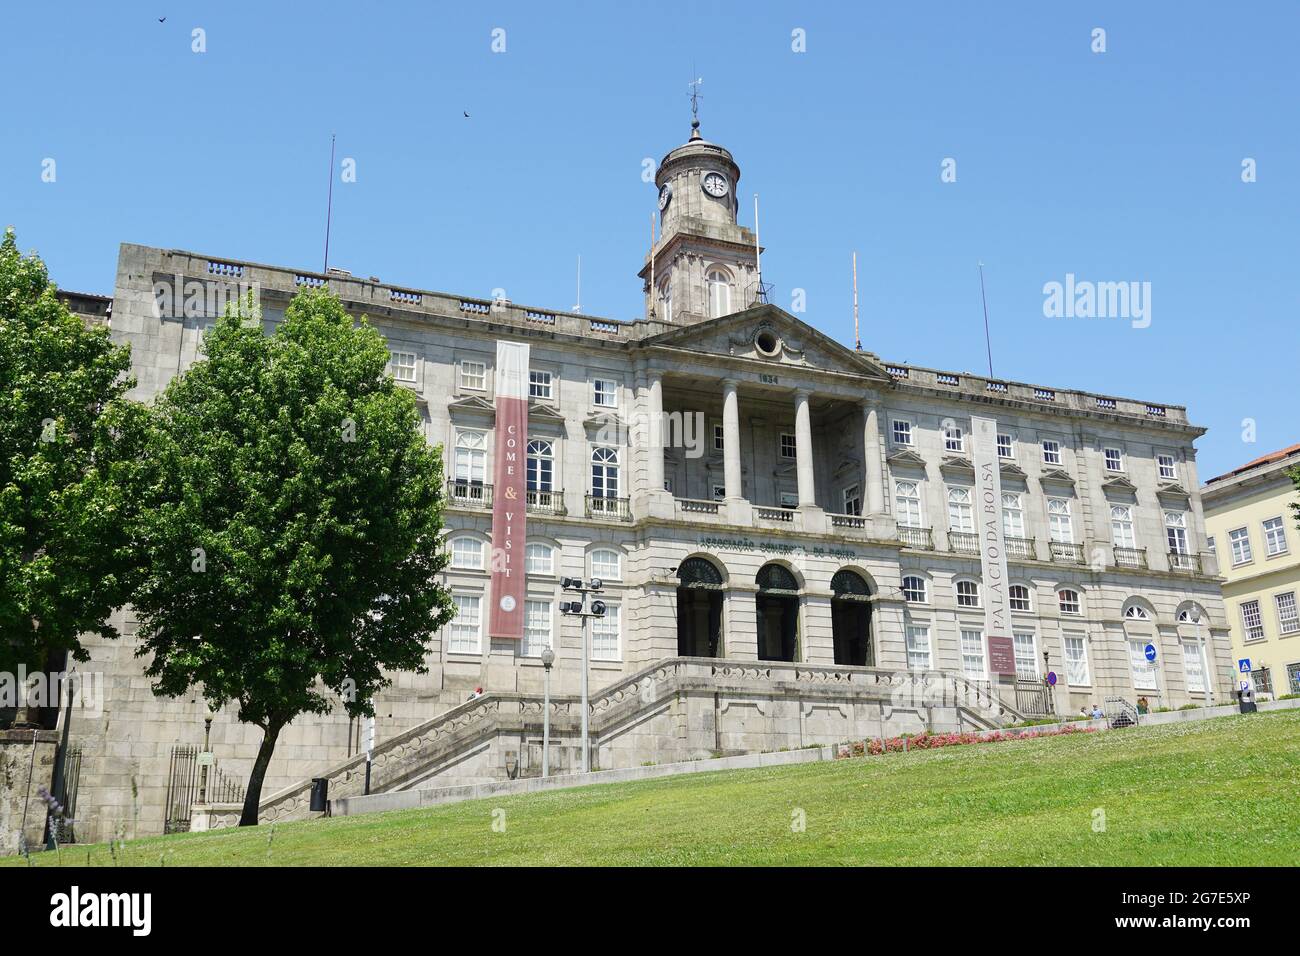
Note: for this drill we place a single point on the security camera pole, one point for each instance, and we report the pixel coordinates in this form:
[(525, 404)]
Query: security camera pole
[(578, 608)]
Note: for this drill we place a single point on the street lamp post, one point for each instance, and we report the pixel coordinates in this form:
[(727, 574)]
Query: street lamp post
[(579, 609), (548, 658)]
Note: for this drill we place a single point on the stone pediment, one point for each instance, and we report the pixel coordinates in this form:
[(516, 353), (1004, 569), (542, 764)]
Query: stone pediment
[(906, 458), (1012, 470), (1056, 476), (609, 420), (957, 465), (540, 414), (1173, 492), (790, 343), (1118, 484), (471, 406)]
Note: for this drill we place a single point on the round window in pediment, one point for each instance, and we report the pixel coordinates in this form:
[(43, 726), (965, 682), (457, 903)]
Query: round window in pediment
[(767, 343)]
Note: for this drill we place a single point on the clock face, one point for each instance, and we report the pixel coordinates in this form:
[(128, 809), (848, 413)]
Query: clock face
[(715, 184), (665, 194)]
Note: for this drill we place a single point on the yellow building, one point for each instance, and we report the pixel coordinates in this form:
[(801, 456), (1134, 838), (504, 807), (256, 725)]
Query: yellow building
[(1252, 528)]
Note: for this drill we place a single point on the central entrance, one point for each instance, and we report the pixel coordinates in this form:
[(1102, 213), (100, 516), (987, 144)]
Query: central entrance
[(777, 604), (699, 609)]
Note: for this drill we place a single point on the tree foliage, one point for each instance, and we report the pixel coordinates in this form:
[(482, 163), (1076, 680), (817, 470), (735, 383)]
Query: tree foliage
[(70, 461), (292, 531)]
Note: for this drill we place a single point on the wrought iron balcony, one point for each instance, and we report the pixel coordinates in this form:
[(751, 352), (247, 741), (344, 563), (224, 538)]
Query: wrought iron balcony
[(1066, 553), (1189, 563), (1130, 557), (599, 506), (916, 537), (1021, 548), (963, 542), (463, 493), (545, 502)]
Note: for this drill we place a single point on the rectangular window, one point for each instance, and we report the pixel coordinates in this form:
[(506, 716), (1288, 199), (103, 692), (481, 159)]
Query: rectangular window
[(1274, 537), (473, 375), (537, 628), (605, 635), (1005, 448), (1144, 671), (1288, 620), (1051, 452), (918, 647), (972, 654), (1076, 661), (403, 364), (467, 626), (1240, 541), (902, 431), (467, 553), (1114, 459), (606, 564), (1251, 621), (1026, 655), (604, 393), (953, 439), (852, 500), (789, 446), (1192, 667), (539, 385), (718, 440), (1168, 472), (1209, 543)]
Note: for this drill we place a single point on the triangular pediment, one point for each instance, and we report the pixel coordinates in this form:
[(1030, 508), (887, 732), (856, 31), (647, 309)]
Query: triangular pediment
[(906, 458), (544, 414), (1056, 476), (1012, 470), (1172, 491), (957, 465), (1120, 485), (473, 406), (798, 344)]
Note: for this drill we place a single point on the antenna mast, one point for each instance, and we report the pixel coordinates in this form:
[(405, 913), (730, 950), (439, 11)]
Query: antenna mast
[(329, 207), (758, 253), (578, 307), (857, 337), (650, 312), (988, 343)]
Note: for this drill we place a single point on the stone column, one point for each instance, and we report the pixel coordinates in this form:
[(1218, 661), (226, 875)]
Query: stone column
[(873, 490), (804, 449), (655, 434), (731, 439)]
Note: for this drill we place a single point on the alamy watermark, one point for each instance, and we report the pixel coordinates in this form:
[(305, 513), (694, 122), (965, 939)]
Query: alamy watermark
[(1085, 299), (52, 688)]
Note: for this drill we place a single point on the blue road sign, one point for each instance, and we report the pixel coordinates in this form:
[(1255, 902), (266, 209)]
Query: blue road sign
[(1243, 665), (1051, 678), (1151, 652)]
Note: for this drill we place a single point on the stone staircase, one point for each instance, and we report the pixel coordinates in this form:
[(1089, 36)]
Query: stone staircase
[(680, 708)]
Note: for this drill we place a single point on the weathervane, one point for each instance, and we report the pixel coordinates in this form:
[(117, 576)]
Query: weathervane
[(695, 104)]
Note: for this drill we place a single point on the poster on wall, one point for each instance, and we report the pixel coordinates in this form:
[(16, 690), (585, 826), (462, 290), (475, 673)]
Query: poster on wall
[(992, 543), (506, 619)]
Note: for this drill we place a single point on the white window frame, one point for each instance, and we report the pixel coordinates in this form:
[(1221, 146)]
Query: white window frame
[(900, 432), (607, 640), (719, 437), (718, 284), (974, 662), (472, 371), (1274, 543), (1243, 554), (1075, 649), (1166, 467), (954, 439), (1136, 612), (541, 385), (469, 456), (1113, 463), (1052, 455), (1252, 621), (459, 549), (611, 472), (966, 588), (1013, 515), (1060, 522), (1006, 446), (914, 595), (1012, 599), (1141, 670), (462, 637), (537, 611), (719, 490), (907, 503), (1069, 606), (851, 498), (919, 657), (606, 387), (1176, 532), (1288, 612), (961, 509), (792, 446), (1193, 667), (1026, 662), (404, 371), (533, 561), (666, 301), (539, 465), (602, 568), (1121, 526)]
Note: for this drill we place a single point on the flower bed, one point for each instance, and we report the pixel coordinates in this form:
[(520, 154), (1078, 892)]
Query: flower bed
[(858, 748)]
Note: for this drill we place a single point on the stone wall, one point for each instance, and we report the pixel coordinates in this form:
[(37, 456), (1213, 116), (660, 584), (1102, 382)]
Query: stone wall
[(26, 763)]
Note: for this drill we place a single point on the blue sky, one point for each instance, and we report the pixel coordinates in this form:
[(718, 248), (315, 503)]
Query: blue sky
[(1116, 166)]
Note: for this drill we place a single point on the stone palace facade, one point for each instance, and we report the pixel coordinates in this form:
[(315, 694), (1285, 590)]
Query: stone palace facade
[(803, 530)]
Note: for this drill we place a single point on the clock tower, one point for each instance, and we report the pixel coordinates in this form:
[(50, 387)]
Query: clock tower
[(704, 263)]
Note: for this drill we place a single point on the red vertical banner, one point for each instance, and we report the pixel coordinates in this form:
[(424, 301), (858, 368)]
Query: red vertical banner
[(508, 505)]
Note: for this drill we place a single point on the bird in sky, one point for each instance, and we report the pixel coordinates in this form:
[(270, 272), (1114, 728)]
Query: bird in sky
[(162, 19), (467, 115)]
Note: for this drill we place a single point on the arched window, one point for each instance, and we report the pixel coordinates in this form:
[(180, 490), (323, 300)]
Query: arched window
[(774, 577), (666, 301), (466, 553), (539, 558), (1019, 598), (968, 594), (1136, 612), (606, 564), (846, 583), (961, 517), (907, 501), (1013, 516), (719, 293), (1068, 600), (699, 573), (604, 472), (541, 464), (914, 589)]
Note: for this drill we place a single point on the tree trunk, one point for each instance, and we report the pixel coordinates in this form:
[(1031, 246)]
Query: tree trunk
[(254, 795)]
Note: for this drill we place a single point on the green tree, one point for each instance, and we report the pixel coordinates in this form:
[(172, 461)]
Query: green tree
[(70, 450), (292, 532)]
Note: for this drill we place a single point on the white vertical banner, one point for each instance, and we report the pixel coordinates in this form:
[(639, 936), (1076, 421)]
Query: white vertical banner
[(993, 552)]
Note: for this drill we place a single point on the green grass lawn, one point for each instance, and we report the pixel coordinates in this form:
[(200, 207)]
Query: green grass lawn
[(1219, 792)]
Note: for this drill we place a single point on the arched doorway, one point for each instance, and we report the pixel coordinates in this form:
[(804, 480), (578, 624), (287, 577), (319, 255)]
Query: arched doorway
[(851, 619), (777, 604), (699, 609)]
